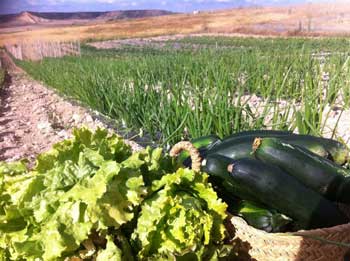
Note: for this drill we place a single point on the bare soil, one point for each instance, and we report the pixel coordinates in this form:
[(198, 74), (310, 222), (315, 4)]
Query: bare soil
[(33, 117)]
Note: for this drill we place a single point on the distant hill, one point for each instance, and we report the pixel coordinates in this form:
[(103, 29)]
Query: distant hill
[(31, 18), (130, 14), (23, 18), (66, 16), (330, 18)]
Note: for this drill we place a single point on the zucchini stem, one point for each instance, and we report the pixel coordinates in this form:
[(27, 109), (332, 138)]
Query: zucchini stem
[(256, 143), (230, 168)]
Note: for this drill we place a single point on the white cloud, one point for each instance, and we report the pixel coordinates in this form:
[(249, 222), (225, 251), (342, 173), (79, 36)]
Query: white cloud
[(107, 1), (47, 2), (33, 2)]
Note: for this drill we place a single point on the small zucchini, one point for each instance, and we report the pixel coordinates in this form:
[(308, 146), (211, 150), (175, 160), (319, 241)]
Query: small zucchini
[(281, 191), (216, 166), (315, 172), (258, 133), (335, 150), (241, 147), (260, 217)]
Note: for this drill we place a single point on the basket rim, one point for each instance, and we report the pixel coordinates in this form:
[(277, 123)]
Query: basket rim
[(191, 149), (330, 243)]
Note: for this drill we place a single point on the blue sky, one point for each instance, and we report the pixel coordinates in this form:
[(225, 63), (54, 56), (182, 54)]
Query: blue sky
[(14, 6)]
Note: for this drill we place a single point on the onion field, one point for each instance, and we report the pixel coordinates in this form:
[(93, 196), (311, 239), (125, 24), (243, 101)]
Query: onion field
[(208, 85)]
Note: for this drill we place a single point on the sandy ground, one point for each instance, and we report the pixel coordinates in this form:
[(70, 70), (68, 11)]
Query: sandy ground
[(171, 41), (33, 117)]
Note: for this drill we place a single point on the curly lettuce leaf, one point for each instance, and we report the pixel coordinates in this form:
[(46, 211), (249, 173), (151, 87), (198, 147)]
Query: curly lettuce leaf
[(17, 185), (107, 199), (93, 184), (78, 186), (13, 168), (112, 252), (153, 164), (96, 147), (117, 248), (182, 217)]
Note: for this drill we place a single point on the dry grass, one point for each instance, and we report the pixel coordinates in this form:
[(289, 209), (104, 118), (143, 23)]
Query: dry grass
[(123, 29), (333, 18)]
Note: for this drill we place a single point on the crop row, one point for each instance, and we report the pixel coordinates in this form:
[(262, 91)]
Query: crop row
[(172, 94)]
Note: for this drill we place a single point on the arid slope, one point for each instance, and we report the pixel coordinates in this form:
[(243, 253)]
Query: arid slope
[(307, 19)]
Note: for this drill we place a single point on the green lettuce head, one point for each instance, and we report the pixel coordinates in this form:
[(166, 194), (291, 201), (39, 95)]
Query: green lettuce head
[(93, 185), (183, 217), (80, 185)]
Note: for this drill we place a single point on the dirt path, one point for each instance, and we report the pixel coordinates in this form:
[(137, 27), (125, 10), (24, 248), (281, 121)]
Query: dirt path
[(33, 117)]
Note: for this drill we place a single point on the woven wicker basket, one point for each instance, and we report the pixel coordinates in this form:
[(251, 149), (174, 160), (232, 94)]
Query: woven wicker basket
[(315, 245)]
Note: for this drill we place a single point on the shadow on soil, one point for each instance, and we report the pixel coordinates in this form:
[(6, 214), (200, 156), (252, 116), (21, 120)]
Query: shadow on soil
[(4, 96)]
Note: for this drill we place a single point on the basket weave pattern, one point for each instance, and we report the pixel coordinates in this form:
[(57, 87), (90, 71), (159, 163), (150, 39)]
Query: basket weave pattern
[(261, 245)]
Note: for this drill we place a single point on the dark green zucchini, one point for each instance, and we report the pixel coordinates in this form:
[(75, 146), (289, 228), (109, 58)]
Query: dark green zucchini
[(216, 166), (336, 151), (258, 133), (241, 147), (261, 217), (202, 144), (205, 141), (315, 172), (286, 194)]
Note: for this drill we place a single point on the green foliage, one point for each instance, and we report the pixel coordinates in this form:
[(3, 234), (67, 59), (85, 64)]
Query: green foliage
[(78, 186), (90, 189), (178, 199), (204, 87)]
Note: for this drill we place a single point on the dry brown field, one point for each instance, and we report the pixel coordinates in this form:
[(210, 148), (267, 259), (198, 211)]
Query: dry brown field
[(303, 20)]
